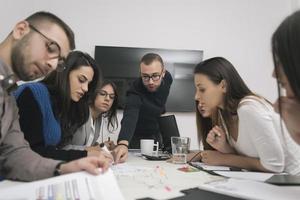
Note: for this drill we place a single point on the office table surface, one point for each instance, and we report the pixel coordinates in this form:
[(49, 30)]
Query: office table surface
[(162, 180), (157, 179), (140, 178)]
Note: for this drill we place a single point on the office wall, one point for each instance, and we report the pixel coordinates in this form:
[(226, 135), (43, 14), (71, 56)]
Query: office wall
[(239, 30)]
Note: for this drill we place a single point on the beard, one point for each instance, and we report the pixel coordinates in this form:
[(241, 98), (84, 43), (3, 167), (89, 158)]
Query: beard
[(18, 59)]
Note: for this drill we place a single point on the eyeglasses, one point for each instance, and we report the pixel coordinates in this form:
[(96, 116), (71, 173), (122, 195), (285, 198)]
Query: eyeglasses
[(105, 94), (53, 49), (154, 77)]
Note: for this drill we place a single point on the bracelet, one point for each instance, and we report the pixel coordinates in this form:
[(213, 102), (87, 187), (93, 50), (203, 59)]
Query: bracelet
[(57, 171), (123, 145)]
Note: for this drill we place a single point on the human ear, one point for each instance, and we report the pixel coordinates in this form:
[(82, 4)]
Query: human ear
[(163, 72), (223, 86), (20, 30)]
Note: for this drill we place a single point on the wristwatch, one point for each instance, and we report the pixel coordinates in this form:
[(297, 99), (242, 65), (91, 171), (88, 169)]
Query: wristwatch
[(57, 170)]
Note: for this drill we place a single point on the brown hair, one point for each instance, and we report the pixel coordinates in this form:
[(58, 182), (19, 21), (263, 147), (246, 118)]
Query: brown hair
[(43, 16)]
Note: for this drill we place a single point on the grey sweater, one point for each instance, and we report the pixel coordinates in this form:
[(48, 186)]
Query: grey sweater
[(17, 160)]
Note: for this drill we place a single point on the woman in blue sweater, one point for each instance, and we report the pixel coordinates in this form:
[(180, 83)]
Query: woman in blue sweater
[(53, 109)]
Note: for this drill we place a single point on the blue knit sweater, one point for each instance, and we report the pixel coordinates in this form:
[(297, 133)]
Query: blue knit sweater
[(51, 127)]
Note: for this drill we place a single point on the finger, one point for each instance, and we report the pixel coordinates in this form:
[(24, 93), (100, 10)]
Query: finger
[(90, 165), (117, 156), (103, 164), (210, 139), (107, 155), (123, 156), (217, 131)]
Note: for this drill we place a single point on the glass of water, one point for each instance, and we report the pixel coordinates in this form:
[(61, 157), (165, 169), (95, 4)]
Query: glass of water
[(180, 149)]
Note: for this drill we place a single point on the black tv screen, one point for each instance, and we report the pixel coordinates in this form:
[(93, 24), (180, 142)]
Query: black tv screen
[(121, 65)]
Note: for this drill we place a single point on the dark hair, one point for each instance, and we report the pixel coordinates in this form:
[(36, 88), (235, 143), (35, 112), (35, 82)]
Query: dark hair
[(42, 16), (150, 57), (71, 115), (111, 114), (218, 69), (286, 49)]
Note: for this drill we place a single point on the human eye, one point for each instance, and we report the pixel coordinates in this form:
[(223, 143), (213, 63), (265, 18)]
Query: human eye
[(102, 93), (53, 48), (155, 75), (82, 79), (145, 77), (202, 90)]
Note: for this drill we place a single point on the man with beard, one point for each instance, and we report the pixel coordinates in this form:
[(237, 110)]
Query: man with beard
[(34, 48), (145, 103)]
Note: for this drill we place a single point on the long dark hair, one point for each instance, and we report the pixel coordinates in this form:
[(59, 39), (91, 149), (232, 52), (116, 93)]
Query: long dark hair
[(111, 114), (286, 50), (218, 69), (71, 114)]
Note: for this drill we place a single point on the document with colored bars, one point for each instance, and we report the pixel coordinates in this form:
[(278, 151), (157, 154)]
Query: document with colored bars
[(75, 186)]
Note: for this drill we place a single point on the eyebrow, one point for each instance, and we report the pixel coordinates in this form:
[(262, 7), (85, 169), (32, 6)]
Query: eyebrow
[(155, 73), (83, 76), (199, 84), (107, 92)]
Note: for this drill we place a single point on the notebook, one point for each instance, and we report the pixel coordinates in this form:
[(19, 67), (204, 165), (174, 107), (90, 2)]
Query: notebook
[(168, 128)]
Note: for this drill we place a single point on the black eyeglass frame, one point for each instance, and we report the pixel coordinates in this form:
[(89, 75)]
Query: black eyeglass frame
[(146, 77), (61, 59), (105, 94)]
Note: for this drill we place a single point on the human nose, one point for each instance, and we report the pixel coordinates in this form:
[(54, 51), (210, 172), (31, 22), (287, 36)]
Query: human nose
[(52, 63), (85, 87), (151, 80), (197, 96), (107, 98)]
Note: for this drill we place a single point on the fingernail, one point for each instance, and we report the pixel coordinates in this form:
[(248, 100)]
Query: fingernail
[(98, 170)]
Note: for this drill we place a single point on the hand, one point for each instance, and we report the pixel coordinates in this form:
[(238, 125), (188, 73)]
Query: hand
[(100, 153), (216, 137), (290, 112), (89, 164), (110, 145), (121, 152), (93, 148), (210, 157)]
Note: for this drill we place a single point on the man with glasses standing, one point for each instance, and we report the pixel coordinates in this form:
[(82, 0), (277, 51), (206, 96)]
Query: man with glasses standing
[(34, 48), (145, 102)]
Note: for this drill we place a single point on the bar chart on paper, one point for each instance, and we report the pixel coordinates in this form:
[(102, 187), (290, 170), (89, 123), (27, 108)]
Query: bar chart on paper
[(76, 186), (63, 190)]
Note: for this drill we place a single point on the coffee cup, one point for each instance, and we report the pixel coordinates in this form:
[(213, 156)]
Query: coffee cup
[(147, 147)]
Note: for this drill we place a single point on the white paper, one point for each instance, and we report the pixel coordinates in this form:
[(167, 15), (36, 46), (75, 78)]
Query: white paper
[(76, 186), (249, 189)]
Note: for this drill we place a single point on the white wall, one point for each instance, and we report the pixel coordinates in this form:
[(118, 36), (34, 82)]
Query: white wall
[(239, 30)]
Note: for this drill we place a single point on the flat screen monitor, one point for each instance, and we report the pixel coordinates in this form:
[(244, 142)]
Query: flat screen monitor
[(121, 65)]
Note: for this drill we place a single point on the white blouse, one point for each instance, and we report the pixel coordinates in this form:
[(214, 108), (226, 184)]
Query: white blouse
[(260, 136)]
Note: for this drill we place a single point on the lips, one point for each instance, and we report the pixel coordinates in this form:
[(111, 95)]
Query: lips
[(80, 94), (201, 110), (105, 105)]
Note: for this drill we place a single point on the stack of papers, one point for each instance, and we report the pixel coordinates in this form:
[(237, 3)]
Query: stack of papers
[(75, 186)]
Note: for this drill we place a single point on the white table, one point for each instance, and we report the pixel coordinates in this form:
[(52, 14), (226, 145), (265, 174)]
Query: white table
[(171, 181), (162, 180), (159, 180)]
